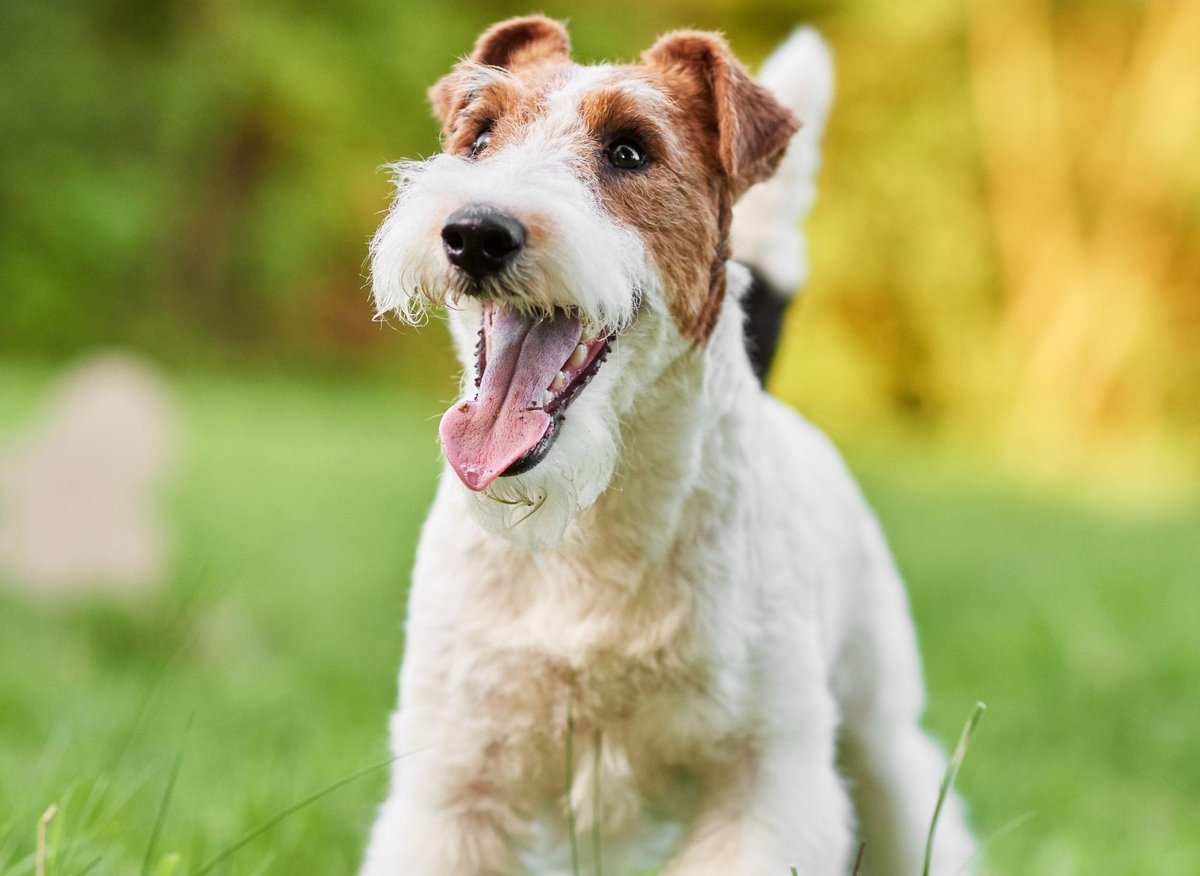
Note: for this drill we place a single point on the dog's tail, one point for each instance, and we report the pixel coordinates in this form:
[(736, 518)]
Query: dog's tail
[(766, 232)]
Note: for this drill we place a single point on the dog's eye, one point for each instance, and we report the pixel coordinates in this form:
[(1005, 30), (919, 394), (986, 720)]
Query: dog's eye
[(625, 153), (481, 141)]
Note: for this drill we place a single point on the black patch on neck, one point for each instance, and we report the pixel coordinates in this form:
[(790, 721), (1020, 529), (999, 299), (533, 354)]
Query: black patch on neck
[(764, 307)]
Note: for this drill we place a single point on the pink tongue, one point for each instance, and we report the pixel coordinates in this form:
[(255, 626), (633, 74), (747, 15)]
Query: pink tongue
[(484, 437)]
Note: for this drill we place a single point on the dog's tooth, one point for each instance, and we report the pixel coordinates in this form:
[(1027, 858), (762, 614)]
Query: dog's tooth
[(559, 381), (546, 398), (578, 355)]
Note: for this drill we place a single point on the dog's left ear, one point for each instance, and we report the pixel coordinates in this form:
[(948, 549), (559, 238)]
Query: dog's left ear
[(506, 45), (752, 129)]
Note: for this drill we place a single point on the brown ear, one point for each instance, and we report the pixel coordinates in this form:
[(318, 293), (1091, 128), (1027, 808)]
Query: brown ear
[(752, 128), (441, 97), (522, 40), (507, 44)]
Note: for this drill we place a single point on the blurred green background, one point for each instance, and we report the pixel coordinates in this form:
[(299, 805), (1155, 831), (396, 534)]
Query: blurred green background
[(1002, 329)]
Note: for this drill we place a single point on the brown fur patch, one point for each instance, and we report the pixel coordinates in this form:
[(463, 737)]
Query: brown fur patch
[(674, 201), (745, 132)]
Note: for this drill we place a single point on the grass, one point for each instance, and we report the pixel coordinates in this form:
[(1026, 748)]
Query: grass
[(296, 511), (952, 767)]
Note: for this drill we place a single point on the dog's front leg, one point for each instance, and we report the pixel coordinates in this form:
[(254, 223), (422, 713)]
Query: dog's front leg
[(779, 807), (442, 820)]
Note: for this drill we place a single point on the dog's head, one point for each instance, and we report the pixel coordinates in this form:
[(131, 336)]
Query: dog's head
[(575, 226)]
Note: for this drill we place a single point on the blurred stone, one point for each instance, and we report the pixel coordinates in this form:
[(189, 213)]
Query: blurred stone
[(78, 491)]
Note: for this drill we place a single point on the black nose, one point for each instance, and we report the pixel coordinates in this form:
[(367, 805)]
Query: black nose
[(482, 240)]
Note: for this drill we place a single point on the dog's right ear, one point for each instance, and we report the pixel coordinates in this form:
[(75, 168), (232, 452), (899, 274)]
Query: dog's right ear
[(505, 45), (522, 41)]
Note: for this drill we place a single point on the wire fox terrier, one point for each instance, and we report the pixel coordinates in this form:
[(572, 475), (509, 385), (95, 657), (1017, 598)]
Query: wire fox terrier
[(649, 604)]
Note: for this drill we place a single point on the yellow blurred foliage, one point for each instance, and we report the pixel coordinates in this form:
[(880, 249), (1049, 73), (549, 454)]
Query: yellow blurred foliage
[(1006, 250)]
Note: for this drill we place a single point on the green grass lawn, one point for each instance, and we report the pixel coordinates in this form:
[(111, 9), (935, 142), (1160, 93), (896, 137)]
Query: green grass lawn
[(265, 669)]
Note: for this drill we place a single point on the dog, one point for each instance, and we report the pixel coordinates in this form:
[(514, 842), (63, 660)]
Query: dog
[(649, 604)]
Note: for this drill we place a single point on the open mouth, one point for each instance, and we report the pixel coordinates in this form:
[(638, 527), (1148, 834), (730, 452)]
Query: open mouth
[(529, 370)]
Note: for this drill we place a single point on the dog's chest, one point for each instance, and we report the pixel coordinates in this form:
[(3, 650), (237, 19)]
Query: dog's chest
[(634, 667), (609, 659)]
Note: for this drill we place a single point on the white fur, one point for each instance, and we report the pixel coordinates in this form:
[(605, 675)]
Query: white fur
[(766, 227), (691, 575)]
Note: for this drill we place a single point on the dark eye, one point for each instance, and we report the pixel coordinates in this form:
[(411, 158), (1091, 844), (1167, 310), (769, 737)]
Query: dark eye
[(481, 141), (626, 153)]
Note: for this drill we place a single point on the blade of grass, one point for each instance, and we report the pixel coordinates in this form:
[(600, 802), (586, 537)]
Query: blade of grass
[(43, 824), (102, 785), (265, 866), (176, 626), (83, 821), (255, 833), (960, 752), (8, 844), (168, 865), (858, 859), (597, 804), (68, 803), (168, 792), (96, 796), (1003, 831), (55, 837), (570, 770), (109, 808)]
